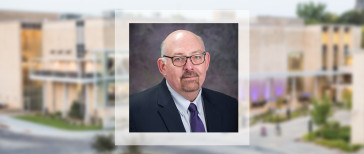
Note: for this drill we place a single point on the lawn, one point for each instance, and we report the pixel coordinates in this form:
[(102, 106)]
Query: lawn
[(57, 122), (273, 118)]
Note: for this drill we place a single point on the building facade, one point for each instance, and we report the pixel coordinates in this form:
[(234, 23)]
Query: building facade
[(297, 62), (77, 67), (20, 42)]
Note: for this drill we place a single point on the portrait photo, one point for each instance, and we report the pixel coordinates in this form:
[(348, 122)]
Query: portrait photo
[(183, 77)]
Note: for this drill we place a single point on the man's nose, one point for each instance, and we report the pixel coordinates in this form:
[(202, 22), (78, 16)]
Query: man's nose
[(188, 65)]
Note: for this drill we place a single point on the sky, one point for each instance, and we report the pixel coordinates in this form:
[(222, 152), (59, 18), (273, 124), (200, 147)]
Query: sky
[(283, 8)]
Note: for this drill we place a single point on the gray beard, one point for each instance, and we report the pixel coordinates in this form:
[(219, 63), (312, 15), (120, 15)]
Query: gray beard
[(190, 86)]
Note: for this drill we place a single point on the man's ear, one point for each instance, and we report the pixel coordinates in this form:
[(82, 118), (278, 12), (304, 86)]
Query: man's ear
[(161, 66), (207, 60)]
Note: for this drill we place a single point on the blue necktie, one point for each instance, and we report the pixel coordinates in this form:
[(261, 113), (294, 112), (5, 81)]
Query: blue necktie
[(195, 121)]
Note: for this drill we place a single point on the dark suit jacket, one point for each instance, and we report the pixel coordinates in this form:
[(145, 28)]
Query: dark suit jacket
[(154, 110)]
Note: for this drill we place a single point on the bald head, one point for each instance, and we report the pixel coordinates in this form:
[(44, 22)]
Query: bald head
[(186, 79), (180, 38)]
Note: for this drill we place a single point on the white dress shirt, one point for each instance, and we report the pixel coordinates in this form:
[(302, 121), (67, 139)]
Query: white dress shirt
[(183, 104)]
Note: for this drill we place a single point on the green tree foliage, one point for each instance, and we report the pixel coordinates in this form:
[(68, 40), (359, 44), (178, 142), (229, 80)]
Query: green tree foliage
[(321, 111), (313, 13), (316, 14), (329, 17), (352, 17)]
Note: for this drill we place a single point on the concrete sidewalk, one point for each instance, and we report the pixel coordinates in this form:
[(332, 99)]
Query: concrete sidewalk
[(9, 123)]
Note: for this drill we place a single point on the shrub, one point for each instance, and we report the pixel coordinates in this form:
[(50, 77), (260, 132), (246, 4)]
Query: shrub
[(333, 130), (329, 130), (104, 143), (76, 111), (341, 144), (332, 135), (57, 114), (344, 133), (310, 136)]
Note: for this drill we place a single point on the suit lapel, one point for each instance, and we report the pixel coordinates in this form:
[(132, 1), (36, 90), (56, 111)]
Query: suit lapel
[(212, 114), (168, 110)]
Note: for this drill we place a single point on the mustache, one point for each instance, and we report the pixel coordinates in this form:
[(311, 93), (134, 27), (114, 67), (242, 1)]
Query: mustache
[(189, 73)]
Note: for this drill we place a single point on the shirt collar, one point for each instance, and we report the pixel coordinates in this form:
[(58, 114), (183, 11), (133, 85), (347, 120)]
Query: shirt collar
[(182, 103)]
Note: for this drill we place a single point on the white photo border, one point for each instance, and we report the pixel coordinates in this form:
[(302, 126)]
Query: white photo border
[(122, 135)]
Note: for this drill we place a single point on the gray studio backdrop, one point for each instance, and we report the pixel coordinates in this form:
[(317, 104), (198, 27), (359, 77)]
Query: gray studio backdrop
[(221, 41)]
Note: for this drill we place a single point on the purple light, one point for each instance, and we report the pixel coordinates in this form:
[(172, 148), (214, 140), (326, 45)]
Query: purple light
[(254, 90), (279, 87), (267, 92), (254, 94), (279, 90)]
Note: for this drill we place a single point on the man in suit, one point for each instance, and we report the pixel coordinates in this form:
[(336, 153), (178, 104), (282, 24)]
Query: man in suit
[(179, 103)]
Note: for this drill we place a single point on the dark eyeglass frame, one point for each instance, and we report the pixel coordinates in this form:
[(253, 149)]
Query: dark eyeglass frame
[(204, 58)]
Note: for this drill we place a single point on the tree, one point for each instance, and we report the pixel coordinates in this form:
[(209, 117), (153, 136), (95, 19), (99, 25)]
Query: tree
[(352, 17), (329, 17), (321, 111), (312, 13)]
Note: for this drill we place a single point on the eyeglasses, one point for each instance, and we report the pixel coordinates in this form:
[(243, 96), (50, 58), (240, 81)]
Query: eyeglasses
[(182, 60)]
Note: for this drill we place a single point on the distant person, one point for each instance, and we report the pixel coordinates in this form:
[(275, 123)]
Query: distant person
[(179, 103), (263, 131)]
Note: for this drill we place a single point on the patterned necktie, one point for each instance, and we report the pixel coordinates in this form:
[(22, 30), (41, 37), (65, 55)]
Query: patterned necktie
[(195, 121)]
